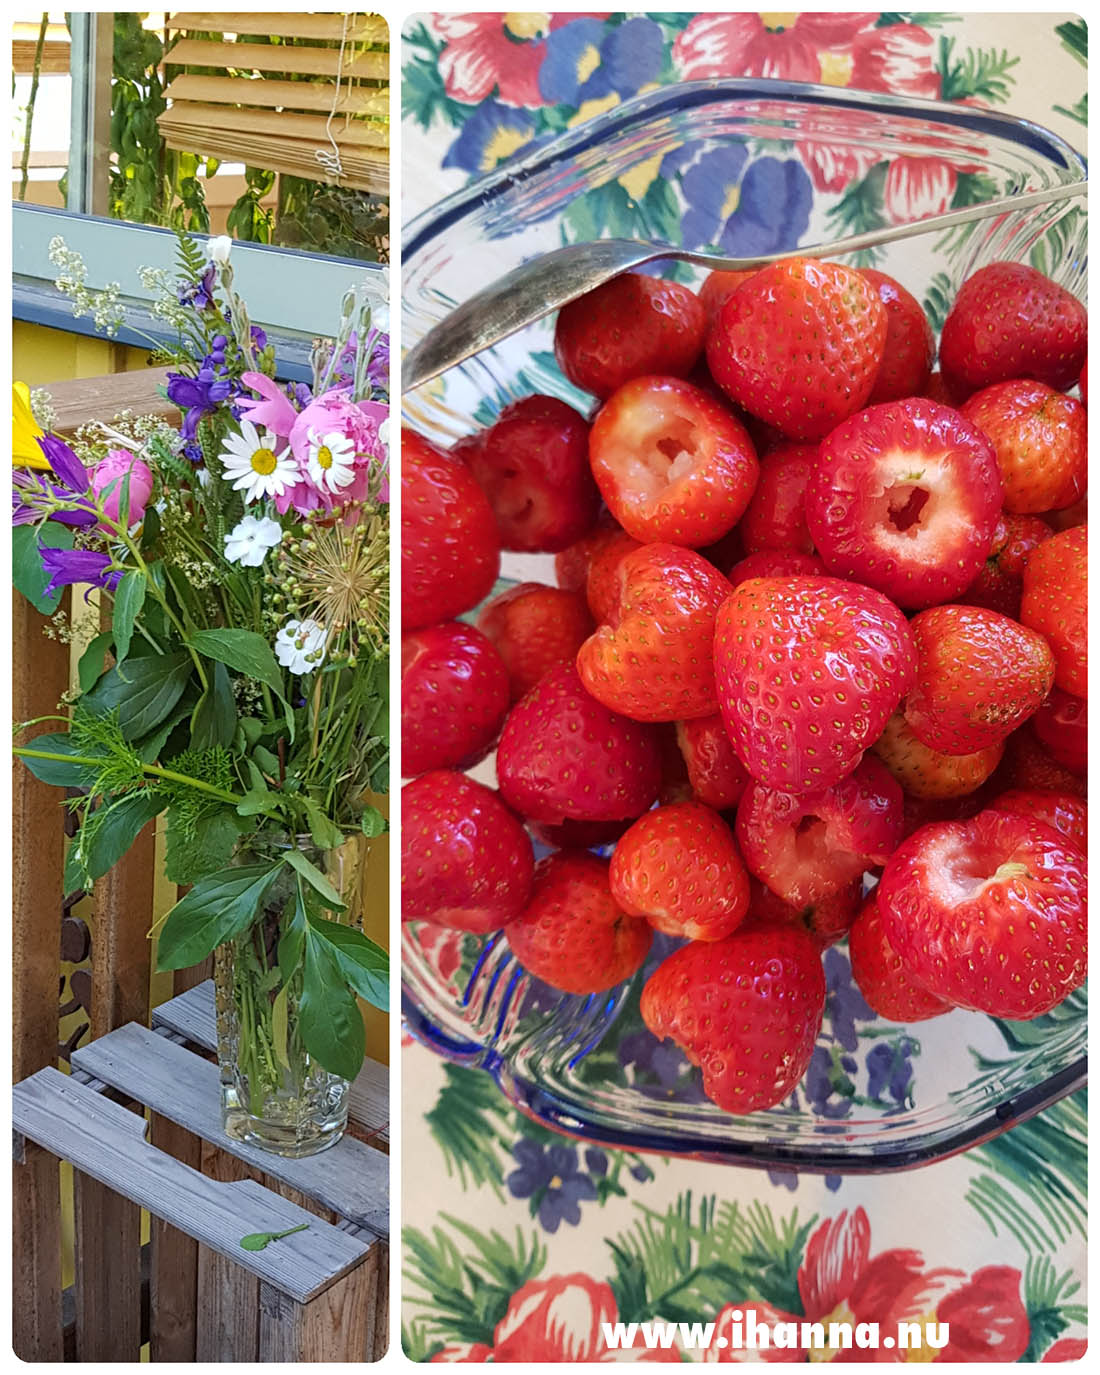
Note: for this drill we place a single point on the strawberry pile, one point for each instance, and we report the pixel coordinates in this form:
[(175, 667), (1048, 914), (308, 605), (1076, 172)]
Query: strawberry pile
[(815, 665)]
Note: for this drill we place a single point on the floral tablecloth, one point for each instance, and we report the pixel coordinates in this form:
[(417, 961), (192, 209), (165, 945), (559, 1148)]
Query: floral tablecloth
[(518, 1242)]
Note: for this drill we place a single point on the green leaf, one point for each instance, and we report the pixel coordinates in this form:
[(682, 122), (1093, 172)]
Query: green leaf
[(109, 831), (372, 822), (324, 832), (55, 771), (280, 1015), (292, 941), (150, 746), (129, 599), (217, 908), (315, 879), (243, 651), (91, 661), (259, 802), (329, 1017), (27, 572), (257, 1241), (365, 966), (214, 721), (143, 691), (201, 847)]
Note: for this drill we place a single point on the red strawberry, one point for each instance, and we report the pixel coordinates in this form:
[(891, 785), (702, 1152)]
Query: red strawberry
[(629, 327), (717, 288), (454, 697), (679, 868), (910, 344), (1010, 321), (928, 773), (940, 390), (826, 920), (673, 466), (808, 671), (1064, 813), (578, 835), (602, 586), (563, 755), (571, 565), (653, 659), (716, 775), (806, 846), (572, 935), (1066, 519), (1055, 603), (775, 518), (532, 464), (675, 783), (979, 676), (746, 1010), (1040, 438), (465, 859), (776, 563), (1083, 382), (1000, 581), (800, 345), (989, 914), (535, 628), (881, 974), (450, 550), (1028, 764), (1062, 724), (905, 497)]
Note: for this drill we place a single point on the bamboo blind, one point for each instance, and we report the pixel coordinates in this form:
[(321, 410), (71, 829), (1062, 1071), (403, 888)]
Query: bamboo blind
[(314, 107), (24, 41)]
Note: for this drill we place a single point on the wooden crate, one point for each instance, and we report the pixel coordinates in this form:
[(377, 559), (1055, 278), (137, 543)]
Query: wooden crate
[(193, 1292)]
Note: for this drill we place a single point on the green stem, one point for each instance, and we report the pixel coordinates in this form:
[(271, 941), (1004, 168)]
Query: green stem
[(154, 769), (24, 165)]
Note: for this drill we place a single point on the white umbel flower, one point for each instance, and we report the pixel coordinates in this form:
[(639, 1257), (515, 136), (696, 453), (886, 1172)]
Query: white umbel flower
[(300, 645), (250, 539), (219, 248), (384, 434), (331, 461), (254, 465)]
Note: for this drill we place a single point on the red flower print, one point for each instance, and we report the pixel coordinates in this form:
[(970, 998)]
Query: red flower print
[(442, 947), (555, 1319), (1068, 1349), (484, 51), (898, 59), (477, 1352), (916, 187), (794, 47)]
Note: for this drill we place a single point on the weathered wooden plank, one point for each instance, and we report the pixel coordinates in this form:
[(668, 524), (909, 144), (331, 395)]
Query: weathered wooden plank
[(107, 1231), (228, 1297), (107, 1142), (174, 1269), (333, 1327), (37, 1323), (121, 954), (380, 1335), (101, 398), (349, 1178)]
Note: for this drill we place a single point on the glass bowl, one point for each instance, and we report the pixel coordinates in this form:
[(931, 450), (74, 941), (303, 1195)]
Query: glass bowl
[(878, 1096)]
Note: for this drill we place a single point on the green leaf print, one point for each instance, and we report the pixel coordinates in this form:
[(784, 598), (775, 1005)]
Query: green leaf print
[(938, 299), (471, 1122), (982, 72), (1045, 1296), (1075, 39)]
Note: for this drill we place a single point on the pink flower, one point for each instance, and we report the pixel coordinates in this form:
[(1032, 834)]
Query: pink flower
[(486, 51), (557, 1319), (917, 187), (898, 58), (333, 414), (113, 469), (476, 1351), (766, 45), (273, 410)]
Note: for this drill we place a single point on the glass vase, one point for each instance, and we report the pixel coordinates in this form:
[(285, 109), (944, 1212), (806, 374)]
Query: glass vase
[(275, 1095)]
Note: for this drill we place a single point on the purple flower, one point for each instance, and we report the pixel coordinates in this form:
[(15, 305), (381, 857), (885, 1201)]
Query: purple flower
[(587, 60), (493, 134), (551, 1178), (745, 211), (198, 294), (784, 1178), (27, 486), (844, 1003), (198, 396), (67, 566), (889, 1067)]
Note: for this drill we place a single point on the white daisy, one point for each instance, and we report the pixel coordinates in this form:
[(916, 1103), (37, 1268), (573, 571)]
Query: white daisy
[(254, 465), (331, 461), (300, 645), (250, 539)]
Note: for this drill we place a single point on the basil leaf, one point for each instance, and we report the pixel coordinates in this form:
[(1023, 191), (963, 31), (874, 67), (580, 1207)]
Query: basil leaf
[(372, 822), (323, 831), (243, 651), (144, 692), (57, 772), (364, 965), (91, 661), (215, 718), (201, 848), (111, 829), (217, 908), (315, 879), (292, 941), (328, 1015), (129, 598)]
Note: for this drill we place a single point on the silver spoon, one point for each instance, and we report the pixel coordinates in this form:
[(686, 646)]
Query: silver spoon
[(553, 279)]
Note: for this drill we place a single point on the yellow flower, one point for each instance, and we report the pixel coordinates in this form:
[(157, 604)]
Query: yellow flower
[(25, 430)]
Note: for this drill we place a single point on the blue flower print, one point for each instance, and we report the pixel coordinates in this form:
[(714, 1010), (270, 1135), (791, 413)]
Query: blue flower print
[(745, 210), (493, 134), (551, 1177), (890, 1069), (586, 60)]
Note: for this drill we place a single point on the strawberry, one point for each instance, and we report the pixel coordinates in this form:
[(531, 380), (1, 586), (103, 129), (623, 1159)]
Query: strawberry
[(632, 326), (905, 498), (979, 676), (881, 974), (1010, 321), (1000, 581), (450, 550), (535, 628), (1028, 764), (602, 585), (1083, 383), (808, 671), (800, 345), (675, 783), (826, 920), (653, 659), (1040, 438), (563, 755), (806, 846), (466, 862), (1069, 516), (716, 775), (1061, 811), (928, 773), (572, 934), (532, 464), (775, 518), (717, 288), (938, 389), (571, 565), (776, 563), (673, 465), (1055, 603), (910, 344), (678, 867), (746, 1010), (454, 696), (989, 914), (578, 835), (1062, 724)]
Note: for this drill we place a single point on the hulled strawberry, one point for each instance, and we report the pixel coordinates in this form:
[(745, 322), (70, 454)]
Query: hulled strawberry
[(564, 756), (1040, 438), (1000, 581), (882, 976), (1010, 321), (571, 565), (678, 867), (716, 775), (1063, 812), (1062, 724), (826, 920), (535, 628), (927, 773), (602, 583), (910, 344), (450, 549), (805, 846), (1055, 603), (573, 935), (632, 326), (905, 498), (800, 345), (989, 914), (653, 659), (454, 696), (808, 672), (746, 1010), (775, 517), (776, 563), (979, 676), (466, 861), (672, 464)]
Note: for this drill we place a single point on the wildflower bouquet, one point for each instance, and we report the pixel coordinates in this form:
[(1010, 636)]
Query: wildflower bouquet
[(239, 683)]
